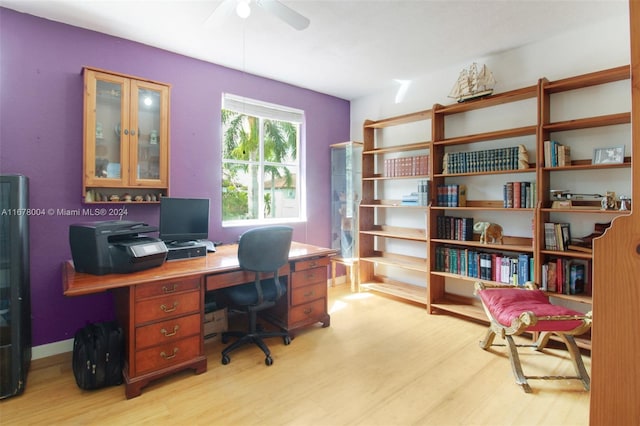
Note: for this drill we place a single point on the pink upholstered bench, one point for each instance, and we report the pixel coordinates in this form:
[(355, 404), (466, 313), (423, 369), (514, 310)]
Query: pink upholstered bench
[(515, 310)]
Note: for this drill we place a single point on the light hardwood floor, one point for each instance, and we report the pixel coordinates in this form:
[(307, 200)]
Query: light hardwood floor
[(382, 362)]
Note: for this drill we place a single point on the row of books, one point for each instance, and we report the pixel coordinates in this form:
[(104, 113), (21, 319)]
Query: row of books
[(567, 276), (518, 195), (451, 195), (454, 228), (556, 154), (557, 236), (407, 166), (487, 160), (514, 270)]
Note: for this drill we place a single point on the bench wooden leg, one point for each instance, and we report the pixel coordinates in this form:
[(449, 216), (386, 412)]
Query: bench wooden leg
[(576, 359), (487, 342), (521, 379)]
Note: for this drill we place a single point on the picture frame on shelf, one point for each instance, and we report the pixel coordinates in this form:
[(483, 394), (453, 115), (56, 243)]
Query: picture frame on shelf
[(608, 155)]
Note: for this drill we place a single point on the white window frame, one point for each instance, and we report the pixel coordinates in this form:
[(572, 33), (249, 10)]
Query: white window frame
[(264, 110)]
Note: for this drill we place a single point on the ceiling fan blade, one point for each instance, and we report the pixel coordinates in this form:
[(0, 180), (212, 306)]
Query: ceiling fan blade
[(220, 14), (285, 13)]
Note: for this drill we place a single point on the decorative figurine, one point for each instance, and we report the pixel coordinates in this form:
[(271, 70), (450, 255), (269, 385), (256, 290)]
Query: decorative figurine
[(488, 230), (523, 157)]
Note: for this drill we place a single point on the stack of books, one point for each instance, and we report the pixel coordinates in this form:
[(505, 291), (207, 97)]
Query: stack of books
[(556, 154), (452, 196)]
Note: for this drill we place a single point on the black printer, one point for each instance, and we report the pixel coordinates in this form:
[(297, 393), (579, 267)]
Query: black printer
[(115, 246)]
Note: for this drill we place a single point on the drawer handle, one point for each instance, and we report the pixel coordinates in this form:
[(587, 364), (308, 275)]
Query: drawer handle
[(172, 289), (164, 355), (309, 293), (166, 333), (308, 311), (167, 309), (313, 264)]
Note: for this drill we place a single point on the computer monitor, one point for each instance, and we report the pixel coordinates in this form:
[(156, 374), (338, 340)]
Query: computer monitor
[(184, 220)]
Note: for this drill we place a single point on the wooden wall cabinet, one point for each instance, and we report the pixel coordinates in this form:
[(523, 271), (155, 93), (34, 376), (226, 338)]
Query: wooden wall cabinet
[(126, 138)]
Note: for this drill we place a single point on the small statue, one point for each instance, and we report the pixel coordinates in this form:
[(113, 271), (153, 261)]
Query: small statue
[(488, 231), (523, 157)]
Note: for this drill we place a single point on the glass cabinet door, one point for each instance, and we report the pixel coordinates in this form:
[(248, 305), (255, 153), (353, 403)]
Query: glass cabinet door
[(346, 182), (126, 138), (149, 110), (106, 129)]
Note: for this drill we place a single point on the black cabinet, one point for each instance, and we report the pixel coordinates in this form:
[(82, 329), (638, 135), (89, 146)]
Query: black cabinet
[(15, 304)]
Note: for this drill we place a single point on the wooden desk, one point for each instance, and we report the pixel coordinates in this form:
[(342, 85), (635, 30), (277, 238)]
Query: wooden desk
[(161, 309)]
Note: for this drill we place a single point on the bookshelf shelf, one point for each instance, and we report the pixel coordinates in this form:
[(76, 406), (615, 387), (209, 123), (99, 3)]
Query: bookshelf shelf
[(531, 169), (405, 262), (524, 248), (397, 289), (397, 232), (399, 148), (489, 136), (381, 177)]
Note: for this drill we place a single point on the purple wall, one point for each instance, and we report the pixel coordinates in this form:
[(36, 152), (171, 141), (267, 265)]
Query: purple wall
[(41, 137)]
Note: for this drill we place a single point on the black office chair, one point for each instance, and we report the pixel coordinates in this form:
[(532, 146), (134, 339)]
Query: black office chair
[(260, 250)]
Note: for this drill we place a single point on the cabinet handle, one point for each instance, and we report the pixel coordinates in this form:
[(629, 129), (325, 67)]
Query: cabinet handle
[(133, 132), (309, 293), (164, 355), (166, 333), (313, 264), (172, 289), (126, 131), (166, 309), (308, 311)]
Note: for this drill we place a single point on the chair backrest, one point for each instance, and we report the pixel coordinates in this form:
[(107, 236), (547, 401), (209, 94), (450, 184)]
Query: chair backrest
[(265, 249)]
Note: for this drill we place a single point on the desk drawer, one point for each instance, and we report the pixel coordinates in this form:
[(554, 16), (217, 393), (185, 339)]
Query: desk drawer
[(168, 331), (308, 313), (308, 277), (167, 355), (169, 287), (308, 293), (310, 264), (161, 308), (228, 279)]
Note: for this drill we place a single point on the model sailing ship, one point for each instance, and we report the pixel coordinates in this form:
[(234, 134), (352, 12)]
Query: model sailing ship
[(473, 83)]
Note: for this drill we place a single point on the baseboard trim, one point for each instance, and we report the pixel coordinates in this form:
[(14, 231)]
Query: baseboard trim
[(50, 349)]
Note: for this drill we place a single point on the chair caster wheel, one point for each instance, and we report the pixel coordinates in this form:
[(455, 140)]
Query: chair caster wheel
[(268, 360), (225, 359), (287, 340)]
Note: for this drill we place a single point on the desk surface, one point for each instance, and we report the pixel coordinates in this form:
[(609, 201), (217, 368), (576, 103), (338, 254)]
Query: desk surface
[(225, 259)]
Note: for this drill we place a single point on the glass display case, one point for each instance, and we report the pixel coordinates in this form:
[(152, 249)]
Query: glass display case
[(346, 187), (126, 138)]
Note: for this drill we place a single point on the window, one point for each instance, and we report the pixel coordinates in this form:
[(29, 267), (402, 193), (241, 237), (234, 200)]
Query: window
[(261, 175)]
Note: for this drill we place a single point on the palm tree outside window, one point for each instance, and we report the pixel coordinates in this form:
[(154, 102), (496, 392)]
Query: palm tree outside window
[(261, 174)]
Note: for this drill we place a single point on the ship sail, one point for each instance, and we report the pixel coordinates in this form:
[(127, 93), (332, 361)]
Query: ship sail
[(472, 83)]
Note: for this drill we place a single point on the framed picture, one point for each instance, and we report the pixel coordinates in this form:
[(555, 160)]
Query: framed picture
[(609, 155)]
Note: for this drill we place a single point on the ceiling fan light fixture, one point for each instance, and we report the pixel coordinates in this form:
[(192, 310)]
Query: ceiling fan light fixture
[(242, 9)]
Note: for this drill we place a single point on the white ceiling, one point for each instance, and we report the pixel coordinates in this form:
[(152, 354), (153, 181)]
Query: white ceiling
[(350, 49)]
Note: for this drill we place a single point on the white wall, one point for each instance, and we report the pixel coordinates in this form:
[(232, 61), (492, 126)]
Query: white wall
[(601, 46)]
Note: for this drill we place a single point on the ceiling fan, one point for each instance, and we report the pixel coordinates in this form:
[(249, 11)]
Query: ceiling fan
[(243, 9)]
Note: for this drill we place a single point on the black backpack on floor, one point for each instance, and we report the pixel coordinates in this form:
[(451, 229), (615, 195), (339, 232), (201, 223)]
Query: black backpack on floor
[(98, 355)]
